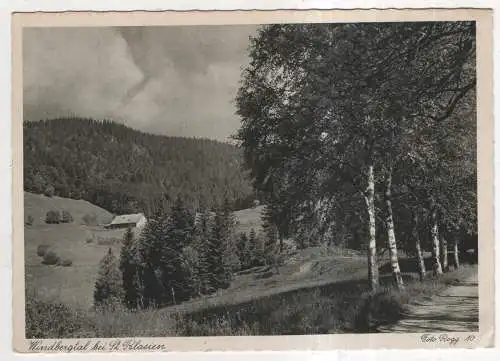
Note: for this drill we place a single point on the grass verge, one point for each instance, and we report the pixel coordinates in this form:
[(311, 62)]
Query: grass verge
[(341, 307)]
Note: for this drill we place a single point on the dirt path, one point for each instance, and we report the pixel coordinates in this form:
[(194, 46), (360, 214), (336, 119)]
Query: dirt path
[(454, 309)]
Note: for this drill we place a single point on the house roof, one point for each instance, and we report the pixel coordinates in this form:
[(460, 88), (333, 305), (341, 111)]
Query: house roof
[(127, 218)]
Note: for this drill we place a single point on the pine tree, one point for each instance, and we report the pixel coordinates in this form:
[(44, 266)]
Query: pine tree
[(130, 270), (191, 269), (231, 258), (203, 246), (219, 260), (150, 248), (108, 286), (182, 224), (256, 249), (175, 277), (243, 249)]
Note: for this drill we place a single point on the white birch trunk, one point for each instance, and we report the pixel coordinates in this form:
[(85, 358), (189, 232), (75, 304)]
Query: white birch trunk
[(444, 253), (435, 243), (456, 259), (418, 249), (391, 237), (373, 275)]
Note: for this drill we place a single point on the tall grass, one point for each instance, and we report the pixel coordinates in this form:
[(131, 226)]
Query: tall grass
[(342, 307), (50, 319)]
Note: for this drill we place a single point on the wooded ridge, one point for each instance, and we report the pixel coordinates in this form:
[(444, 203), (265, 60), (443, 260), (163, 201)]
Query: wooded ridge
[(125, 171)]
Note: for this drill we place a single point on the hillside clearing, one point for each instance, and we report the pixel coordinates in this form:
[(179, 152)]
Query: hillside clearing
[(37, 206)]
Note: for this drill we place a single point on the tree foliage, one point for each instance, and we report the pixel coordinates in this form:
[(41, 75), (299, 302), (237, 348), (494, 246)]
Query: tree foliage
[(321, 104), (179, 255), (129, 267), (108, 286)]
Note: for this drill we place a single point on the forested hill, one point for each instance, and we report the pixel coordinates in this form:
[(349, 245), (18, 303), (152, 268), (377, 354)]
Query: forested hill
[(123, 170)]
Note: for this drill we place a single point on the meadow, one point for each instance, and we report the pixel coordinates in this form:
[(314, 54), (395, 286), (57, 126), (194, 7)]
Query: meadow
[(83, 242), (316, 290)]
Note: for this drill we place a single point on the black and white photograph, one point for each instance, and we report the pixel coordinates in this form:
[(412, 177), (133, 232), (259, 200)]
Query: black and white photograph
[(271, 179)]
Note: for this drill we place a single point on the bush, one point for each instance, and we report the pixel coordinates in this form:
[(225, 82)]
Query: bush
[(52, 217), (49, 191), (65, 263), (107, 241), (42, 249), (108, 289), (89, 236), (50, 258), (383, 307), (66, 217), (29, 221), (90, 220)]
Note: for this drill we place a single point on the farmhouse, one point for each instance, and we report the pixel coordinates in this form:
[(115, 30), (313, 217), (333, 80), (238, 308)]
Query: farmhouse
[(128, 221)]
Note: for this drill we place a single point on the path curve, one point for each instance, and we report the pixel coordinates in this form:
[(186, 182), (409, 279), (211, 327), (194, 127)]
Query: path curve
[(454, 309)]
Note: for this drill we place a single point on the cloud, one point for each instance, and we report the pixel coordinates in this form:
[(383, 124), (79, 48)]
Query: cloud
[(191, 49), (168, 80), (81, 71)]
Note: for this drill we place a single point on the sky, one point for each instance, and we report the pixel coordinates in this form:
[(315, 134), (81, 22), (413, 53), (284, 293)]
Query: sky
[(178, 81)]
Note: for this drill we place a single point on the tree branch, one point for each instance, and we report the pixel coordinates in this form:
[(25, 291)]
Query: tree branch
[(454, 101)]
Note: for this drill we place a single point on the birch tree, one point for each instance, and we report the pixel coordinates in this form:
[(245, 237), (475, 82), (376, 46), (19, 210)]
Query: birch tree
[(336, 107)]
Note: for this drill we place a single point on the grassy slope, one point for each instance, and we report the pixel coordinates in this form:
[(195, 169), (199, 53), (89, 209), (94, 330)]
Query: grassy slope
[(247, 219), (37, 206), (308, 268), (74, 285)]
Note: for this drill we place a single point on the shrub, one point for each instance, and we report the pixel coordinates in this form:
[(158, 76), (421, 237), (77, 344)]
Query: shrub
[(49, 191), (66, 217), (108, 291), (29, 221), (65, 263), (89, 236), (107, 241), (42, 249), (52, 217), (376, 309), (90, 219), (50, 258)]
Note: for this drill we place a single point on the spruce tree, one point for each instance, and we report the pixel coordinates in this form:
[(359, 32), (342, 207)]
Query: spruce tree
[(203, 247), (108, 286), (256, 250), (150, 248), (243, 249), (219, 262), (231, 258), (130, 270), (182, 224), (191, 269), (180, 231)]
